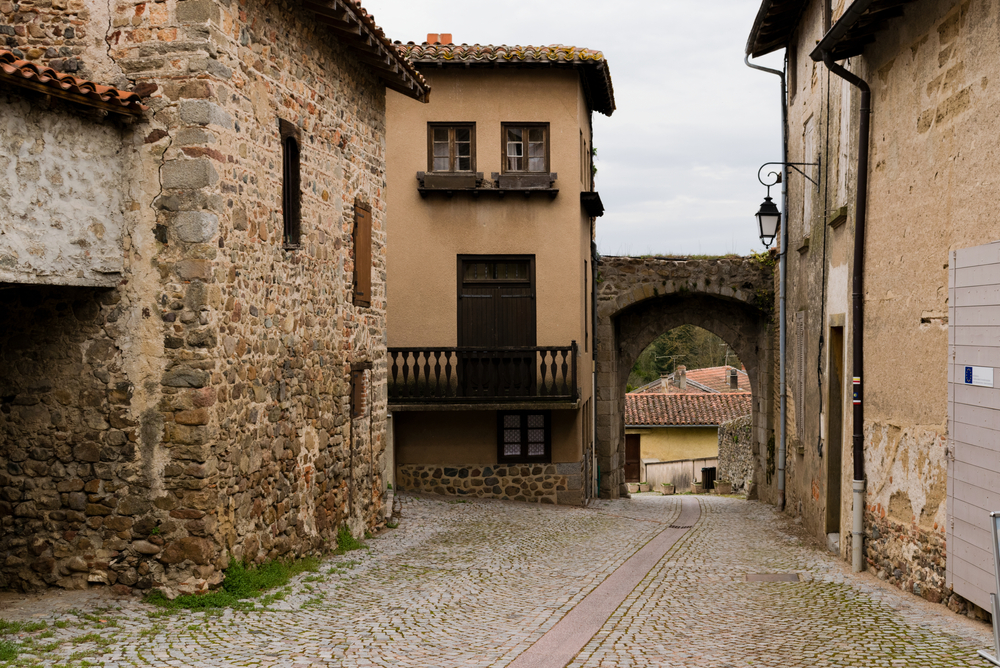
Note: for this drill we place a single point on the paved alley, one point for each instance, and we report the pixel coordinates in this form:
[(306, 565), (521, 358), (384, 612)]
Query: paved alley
[(480, 583)]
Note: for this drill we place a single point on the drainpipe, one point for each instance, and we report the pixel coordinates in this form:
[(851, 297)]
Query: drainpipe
[(782, 258), (857, 307)]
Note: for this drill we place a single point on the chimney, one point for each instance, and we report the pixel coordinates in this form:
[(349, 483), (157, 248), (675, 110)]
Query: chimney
[(442, 38), (680, 376), (734, 379)]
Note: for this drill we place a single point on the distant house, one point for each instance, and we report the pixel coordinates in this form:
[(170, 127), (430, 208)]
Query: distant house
[(710, 379), (672, 427)]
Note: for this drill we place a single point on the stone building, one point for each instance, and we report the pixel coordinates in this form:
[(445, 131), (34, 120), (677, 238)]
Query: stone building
[(192, 286), (491, 272), (931, 67)]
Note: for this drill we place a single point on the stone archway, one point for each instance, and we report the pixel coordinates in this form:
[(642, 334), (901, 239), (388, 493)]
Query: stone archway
[(640, 298)]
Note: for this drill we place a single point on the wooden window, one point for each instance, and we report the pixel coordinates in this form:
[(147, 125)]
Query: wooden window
[(524, 436), (451, 148), (362, 254), (525, 148), (291, 188)]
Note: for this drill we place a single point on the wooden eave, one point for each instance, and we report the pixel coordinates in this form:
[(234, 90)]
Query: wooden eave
[(594, 77), (857, 27), (772, 29), (369, 45)]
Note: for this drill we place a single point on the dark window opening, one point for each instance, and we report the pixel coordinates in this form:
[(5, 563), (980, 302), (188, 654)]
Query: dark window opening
[(291, 189), (524, 436)]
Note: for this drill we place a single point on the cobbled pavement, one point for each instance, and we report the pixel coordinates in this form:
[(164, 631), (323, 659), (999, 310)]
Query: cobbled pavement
[(476, 582)]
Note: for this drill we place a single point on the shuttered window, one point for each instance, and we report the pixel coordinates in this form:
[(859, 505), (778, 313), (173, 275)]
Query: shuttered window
[(800, 384), (362, 254), (291, 188), (524, 436)]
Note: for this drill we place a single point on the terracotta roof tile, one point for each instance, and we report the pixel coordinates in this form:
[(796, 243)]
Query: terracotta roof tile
[(685, 409), (717, 378), (28, 74), (597, 76)]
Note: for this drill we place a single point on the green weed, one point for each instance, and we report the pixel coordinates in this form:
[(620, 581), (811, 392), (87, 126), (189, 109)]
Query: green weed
[(242, 583)]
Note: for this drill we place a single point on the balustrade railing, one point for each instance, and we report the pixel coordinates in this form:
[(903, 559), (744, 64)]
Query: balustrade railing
[(481, 375)]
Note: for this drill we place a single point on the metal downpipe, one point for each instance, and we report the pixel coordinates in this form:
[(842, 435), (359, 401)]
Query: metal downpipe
[(857, 308), (782, 259)]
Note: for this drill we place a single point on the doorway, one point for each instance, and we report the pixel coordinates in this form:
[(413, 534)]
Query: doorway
[(496, 312), (835, 435), (632, 457)]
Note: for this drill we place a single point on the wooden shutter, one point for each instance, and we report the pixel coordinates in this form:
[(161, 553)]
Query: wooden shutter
[(362, 255), (800, 385)]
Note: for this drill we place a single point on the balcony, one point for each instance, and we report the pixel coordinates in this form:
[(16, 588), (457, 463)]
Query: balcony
[(483, 378)]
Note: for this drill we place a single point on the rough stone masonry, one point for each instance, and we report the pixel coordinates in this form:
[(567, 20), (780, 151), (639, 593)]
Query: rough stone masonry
[(199, 411)]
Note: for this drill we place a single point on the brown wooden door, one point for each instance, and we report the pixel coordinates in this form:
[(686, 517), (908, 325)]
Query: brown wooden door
[(632, 458), (496, 309)]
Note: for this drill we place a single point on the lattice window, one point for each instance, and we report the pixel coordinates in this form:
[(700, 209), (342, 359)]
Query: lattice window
[(524, 436)]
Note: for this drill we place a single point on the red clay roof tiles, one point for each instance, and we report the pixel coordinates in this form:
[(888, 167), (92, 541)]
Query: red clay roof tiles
[(685, 409), (28, 74), (593, 63)]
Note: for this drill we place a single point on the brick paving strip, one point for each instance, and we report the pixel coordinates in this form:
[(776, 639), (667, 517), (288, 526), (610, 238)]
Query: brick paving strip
[(571, 634)]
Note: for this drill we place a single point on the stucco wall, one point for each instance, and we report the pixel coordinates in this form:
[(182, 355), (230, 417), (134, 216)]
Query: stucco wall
[(667, 444), (933, 137), (62, 205), (428, 233)]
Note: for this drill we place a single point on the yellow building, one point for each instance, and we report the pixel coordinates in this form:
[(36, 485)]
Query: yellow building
[(491, 211), (673, 427)]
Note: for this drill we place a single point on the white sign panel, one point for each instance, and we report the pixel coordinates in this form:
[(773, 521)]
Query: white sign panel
[(981, 376)]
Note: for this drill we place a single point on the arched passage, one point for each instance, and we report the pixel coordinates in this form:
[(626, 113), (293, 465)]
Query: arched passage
[(641, 298)]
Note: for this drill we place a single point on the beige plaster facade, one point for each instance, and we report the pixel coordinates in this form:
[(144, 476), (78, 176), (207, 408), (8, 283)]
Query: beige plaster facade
[(429, 231), (933, 142), (667, 444)]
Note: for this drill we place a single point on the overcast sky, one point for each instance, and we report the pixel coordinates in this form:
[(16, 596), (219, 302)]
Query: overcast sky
[(677, 162)]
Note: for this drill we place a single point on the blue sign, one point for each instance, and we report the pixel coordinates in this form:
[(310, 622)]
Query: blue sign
[(968, 375)]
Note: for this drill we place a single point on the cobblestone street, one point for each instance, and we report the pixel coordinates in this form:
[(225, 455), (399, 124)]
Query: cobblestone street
[(478, 583)]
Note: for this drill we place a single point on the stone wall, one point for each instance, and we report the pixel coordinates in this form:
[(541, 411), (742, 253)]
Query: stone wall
[(640, 298), (736, 456), (61, 201), (560, 484), (213, 417), (69, 451), (67, 35)]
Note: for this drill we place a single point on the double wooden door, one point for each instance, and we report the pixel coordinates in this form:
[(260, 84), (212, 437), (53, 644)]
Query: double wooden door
[(496, 311)]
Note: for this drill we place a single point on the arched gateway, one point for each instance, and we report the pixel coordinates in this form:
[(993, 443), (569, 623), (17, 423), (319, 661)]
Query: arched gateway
[(640, 298)]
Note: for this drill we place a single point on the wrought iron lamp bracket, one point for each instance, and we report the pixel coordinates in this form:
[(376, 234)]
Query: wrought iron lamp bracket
[(794, 165)]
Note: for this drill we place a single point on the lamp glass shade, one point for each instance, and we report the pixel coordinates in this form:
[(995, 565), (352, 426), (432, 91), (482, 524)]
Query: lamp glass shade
[(768, 219)]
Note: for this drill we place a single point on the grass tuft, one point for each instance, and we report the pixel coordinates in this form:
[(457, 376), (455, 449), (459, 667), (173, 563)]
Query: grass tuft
[(242, 584), (8, 650), (346, 542)]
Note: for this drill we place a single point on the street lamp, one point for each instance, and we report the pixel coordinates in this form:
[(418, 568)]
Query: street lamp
[(768, 219), (768, 216)]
